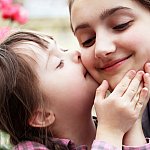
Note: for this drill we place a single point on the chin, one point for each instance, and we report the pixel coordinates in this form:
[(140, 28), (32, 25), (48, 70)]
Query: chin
[(116, 79), (113, 84), (111, 88)]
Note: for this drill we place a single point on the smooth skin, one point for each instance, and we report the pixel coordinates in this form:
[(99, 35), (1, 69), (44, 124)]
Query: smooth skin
[(113, 35)]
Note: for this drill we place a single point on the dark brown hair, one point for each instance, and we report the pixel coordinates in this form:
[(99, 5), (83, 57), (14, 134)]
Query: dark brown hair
[(145, 3), (20, 94)]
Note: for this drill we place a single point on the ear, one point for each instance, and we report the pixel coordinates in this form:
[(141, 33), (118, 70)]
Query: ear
[(42, 119)]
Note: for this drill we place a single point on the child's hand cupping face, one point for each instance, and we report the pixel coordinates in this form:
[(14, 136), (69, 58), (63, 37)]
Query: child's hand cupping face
[(119, 111), (135, 136)]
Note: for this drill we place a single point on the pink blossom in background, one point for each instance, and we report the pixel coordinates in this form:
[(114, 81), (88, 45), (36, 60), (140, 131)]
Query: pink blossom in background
[(14, 12), (10, 11), (5, 3), (21, 16)]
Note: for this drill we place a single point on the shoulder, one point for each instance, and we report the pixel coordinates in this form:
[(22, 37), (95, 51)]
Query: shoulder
[(30, 145)]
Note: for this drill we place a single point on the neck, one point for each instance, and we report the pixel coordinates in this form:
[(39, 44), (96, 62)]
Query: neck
[(81, 131)]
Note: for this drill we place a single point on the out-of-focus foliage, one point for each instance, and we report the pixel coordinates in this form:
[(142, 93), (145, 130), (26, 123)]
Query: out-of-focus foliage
[(4, 141)]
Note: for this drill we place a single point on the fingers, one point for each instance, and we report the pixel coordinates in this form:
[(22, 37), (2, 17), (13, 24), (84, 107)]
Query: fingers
[(142, 94), (138, 108), (101, 91), (100, 96), (124, 83), (133, 88), (141, 97), (142, 101), (146, 78), (147, 68)]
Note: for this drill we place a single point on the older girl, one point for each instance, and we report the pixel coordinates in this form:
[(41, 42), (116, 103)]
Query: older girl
[(114, 38)]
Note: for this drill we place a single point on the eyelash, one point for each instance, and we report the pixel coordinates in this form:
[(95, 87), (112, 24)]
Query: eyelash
[(122, 26), (61, 64), (88, 42), (64, 50)]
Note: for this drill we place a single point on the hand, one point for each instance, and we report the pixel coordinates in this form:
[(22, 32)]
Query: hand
[(122, 104), (119, 111), (147, 77), (135, 136)]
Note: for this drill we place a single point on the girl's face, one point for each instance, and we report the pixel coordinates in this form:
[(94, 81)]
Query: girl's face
[(114, 36), (65, 82)]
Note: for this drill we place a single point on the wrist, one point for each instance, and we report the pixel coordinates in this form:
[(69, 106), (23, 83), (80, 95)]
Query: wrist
[(135, 136), (110, 135)]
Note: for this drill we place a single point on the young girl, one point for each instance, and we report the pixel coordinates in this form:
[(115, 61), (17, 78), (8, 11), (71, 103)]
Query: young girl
[(114, 38), (47, 96)]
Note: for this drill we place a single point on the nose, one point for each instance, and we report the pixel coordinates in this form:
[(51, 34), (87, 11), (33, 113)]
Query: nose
[(75, 56), (104, 46)]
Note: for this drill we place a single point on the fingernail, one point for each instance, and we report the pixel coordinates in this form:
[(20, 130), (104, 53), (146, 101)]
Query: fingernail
[(140, 72), (132, 72), (148, 64), (104, 82), (147, 74)]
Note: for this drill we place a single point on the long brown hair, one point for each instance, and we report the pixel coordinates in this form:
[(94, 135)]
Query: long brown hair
[(20, 94)]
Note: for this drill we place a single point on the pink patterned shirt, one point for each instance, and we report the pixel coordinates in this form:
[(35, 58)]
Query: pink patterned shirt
[(97, 145)]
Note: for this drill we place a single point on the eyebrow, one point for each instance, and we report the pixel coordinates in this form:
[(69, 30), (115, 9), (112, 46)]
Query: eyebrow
[(81, 26), (106, 13)]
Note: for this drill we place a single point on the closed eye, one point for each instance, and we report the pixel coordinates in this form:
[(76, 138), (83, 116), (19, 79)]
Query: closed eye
[(123, 26), (61, 64), (89, 42), (64, 50)]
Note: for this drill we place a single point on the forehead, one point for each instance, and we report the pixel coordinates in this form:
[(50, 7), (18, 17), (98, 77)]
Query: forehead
[(85, 11), (87, 5), (34, 50)]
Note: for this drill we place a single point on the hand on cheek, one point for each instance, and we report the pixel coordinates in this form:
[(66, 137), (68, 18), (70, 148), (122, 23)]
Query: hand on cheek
[(118, 111), (135, 136), (146, 79)]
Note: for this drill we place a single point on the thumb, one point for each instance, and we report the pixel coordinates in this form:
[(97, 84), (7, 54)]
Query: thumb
[(147, 67), (101, 91)]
